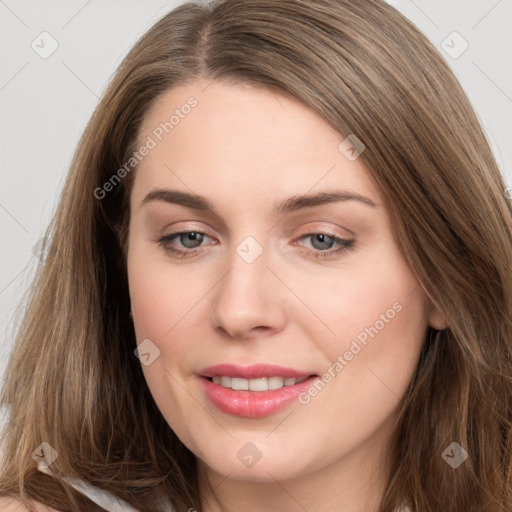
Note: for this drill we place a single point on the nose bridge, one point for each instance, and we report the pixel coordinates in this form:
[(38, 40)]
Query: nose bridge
[(246, 298)]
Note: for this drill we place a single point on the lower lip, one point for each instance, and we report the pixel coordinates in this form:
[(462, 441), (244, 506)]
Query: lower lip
[(253, 404)]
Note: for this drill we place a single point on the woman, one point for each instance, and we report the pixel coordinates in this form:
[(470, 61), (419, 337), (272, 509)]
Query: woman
[(278, 279)]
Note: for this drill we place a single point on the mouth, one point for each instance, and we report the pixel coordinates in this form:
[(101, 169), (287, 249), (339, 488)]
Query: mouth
[(254, 391), (257, 385)]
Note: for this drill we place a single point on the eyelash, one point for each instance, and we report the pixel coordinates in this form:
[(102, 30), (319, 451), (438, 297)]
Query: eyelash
[(345, 245)]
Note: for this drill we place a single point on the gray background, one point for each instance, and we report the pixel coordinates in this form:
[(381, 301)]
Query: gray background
[(45, 102)]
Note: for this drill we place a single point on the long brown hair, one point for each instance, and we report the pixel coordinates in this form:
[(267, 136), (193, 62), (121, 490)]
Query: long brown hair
[(73, 380)]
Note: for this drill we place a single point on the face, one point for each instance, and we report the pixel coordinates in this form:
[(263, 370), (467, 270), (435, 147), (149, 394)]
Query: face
[(279, 325)]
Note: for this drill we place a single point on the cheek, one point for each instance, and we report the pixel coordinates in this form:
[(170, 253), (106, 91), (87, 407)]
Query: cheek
[(163, 298), (377, 303), (380, 324), (381, 321), (163, 307)]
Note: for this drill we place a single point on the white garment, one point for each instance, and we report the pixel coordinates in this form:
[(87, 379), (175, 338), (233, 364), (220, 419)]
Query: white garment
[(102, 498), (112, 504)]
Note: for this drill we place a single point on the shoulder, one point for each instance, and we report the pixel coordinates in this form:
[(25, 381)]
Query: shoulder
[(13, 505)]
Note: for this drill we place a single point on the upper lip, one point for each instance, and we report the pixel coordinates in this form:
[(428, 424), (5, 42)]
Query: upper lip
[(254, 371)]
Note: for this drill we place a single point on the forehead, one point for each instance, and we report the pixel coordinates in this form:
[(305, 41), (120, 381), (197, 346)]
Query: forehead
[(230, 141)]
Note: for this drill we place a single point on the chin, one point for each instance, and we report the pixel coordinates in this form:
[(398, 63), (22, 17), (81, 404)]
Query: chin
[(259, 460)]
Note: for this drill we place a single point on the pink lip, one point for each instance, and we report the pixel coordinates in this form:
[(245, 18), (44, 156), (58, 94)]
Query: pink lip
[(254, 371), (251, 404)]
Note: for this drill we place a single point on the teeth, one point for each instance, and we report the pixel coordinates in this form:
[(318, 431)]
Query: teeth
[(239, 384), (261, 384), (275, 382), (258, 384), (225, 381)]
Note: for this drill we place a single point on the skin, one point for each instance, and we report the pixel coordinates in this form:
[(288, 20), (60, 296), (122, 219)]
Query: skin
[(245, 148)]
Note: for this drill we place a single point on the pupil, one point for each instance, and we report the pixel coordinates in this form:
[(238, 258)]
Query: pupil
[(325, 241), (191, 238)]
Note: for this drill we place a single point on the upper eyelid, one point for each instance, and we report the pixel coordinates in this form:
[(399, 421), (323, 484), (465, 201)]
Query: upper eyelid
[(346, 235)]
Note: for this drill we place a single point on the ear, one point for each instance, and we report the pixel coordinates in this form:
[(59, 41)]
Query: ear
[(435, 318)]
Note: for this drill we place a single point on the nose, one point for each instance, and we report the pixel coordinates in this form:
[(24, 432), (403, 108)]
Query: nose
[(248, 300)]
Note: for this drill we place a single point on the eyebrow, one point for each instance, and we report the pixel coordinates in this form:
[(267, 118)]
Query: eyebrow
[(291, 204)]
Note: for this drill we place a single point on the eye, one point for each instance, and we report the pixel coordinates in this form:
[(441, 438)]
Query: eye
[(189, 240), (322, 242)]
